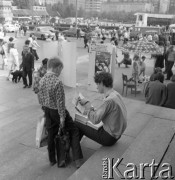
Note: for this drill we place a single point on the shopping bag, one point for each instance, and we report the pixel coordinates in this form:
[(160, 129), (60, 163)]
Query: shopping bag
[(62, 144), (41, 133)]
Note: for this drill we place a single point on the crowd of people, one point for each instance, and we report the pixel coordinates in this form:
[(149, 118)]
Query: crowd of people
[(49, 88), (51, 97)]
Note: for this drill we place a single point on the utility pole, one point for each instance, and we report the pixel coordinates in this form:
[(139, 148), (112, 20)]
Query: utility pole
[(32, 11), (76, 14)]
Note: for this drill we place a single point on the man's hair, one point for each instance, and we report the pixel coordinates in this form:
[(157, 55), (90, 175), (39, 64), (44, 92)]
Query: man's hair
[(157, 70), (105, 78), (27, 42), (54, 63), (159, 76), (173, 78), (11, 39)]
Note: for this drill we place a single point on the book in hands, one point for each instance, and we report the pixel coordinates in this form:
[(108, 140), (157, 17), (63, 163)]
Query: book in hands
[(80, 108), (84, 120)]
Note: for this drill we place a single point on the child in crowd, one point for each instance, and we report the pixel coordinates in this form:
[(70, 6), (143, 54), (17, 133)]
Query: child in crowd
[(142, 66), (135, 68)]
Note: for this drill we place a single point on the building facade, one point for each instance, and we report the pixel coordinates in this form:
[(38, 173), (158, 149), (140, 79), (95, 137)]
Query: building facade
[(172, 7), (80, 3), (164, 6), (93, 5), (6, 10), (126, 6), (44, 2)]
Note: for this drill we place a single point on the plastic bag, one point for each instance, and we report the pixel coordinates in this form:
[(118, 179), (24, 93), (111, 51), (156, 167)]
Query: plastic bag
[(41, 133)]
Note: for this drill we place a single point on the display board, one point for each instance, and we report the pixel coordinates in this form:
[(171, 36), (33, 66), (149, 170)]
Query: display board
[(68, 54), (101, 58)]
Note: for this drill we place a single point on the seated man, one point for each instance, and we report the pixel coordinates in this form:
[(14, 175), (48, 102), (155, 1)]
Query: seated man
[(126, 60), (112, 113), (155, 92), (170, 101)]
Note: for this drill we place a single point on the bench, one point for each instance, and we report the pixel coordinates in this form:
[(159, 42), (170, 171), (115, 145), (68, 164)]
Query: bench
[(147, 137)]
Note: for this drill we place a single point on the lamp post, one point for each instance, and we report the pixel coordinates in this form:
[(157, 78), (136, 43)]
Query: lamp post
[(76, 15)]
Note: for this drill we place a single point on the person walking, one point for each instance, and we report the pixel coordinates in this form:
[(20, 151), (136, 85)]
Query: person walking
[(52, 99), (34, 48), (27, 65), (13, 59), (31, 41), (170, 62), (4, 54)]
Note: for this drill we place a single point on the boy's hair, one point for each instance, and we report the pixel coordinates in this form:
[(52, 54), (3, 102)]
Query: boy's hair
[(143, 57), (105, 78), (44, 61), (54, 63)]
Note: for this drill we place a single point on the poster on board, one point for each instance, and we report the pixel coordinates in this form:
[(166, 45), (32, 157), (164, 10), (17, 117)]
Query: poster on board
[(101, 59), (102, 62)]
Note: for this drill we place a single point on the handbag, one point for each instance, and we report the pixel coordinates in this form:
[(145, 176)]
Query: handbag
[(127, 61), (41, 133), (62, 144)]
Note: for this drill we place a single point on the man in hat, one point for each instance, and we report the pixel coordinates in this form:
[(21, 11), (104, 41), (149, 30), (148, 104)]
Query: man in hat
[(27, 65)]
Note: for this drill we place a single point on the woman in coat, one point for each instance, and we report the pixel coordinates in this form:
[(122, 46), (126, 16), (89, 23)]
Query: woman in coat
[(170, 101), (13, 59)]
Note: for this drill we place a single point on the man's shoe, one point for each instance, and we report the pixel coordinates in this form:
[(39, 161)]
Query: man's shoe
[(29, 86), (53, 163), (25, 86), (78, 163), (62, 164)]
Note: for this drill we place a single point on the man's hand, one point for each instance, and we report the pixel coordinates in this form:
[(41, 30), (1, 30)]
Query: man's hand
[(62, 122), (82, 101)]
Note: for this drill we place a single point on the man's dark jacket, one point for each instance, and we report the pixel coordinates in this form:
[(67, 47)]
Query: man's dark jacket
[(27, 61)]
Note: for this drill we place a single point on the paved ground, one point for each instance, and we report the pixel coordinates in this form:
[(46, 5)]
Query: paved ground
[(19, 112)]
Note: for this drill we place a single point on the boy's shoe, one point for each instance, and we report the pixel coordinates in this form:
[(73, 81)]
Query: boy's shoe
[(29, 86), (78, 163), (25, 86)]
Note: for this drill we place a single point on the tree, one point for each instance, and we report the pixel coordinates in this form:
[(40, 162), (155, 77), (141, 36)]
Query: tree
[(22, 4)]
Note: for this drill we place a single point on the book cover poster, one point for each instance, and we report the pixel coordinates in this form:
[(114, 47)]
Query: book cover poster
[(102, 62)]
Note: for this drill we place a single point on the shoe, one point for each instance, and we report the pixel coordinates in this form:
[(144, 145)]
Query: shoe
[(53, 163), (78, 163), (62, 164), (29, 86), (25, 86)]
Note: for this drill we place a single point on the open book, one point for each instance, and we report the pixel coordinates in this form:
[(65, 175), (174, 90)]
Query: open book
[(81, 114), (84, 120), (78, 106)]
